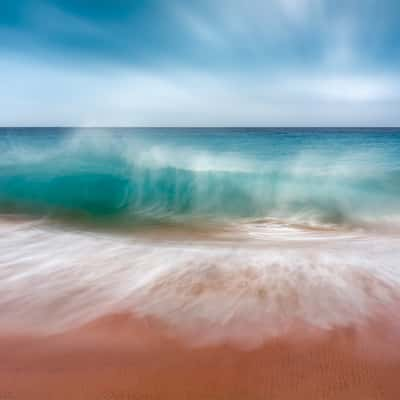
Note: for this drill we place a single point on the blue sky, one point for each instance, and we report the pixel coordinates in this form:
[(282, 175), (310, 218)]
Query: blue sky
[(202, 63)]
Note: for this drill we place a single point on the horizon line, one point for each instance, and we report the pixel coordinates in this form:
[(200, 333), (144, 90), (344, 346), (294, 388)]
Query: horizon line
[(196, 127)]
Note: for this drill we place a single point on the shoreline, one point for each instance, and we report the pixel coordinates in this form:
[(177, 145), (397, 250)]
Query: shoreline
[(120, 356)]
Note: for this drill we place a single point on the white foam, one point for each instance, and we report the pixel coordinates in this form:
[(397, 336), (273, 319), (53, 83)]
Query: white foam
[(52, 278)]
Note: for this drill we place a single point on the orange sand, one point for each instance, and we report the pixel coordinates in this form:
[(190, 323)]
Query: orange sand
[(125, 358)]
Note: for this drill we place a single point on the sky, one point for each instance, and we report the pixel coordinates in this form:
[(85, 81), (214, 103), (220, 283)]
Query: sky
[(199, 63)]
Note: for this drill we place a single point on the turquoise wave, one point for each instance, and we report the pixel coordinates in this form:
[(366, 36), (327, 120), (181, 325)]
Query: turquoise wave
[(124, 180)]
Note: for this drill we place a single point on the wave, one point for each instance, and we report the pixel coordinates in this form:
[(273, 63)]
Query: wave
[(134, 179)]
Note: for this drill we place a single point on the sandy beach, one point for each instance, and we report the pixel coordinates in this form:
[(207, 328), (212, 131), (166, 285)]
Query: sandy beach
[(120, 357)]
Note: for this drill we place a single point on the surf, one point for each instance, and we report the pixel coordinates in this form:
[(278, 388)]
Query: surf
[(134, 179)]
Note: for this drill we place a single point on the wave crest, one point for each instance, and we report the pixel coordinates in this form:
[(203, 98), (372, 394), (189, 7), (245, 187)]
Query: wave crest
[(134, 178)]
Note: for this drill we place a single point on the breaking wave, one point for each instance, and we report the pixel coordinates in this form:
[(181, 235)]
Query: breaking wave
[(130, 180)]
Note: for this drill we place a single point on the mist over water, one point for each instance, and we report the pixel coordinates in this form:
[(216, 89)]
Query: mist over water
[(221, 228)]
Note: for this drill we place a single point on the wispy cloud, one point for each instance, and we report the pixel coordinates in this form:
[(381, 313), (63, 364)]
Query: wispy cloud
[(53, 95), (299, 10), (58, 21), (231, 62), (200, 27)]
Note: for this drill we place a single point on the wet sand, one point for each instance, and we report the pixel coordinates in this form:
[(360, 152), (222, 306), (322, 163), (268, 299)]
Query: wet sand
[(121, 357)]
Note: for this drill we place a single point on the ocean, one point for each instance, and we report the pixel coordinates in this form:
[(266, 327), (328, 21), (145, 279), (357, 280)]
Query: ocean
[(213, 224)]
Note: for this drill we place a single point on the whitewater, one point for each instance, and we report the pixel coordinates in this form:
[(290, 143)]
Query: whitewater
[(211, 229)]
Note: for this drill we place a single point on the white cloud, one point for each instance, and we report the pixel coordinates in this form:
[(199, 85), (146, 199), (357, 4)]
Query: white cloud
[(345, 88), (42, 94)]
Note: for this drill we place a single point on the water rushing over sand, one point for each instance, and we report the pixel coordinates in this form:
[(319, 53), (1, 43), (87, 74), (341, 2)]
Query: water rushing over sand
[(252, 287)]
